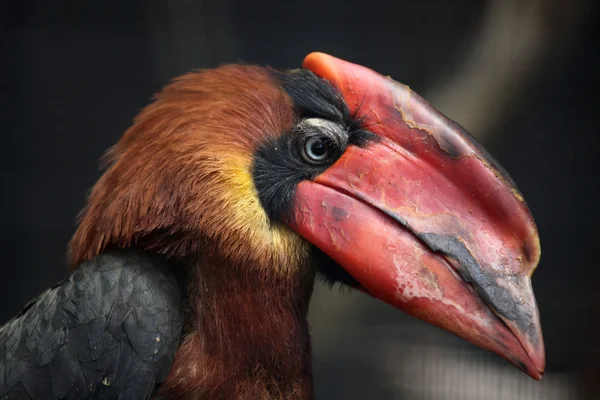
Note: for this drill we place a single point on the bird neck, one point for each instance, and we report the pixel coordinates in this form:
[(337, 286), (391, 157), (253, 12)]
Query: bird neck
[(250, 338)]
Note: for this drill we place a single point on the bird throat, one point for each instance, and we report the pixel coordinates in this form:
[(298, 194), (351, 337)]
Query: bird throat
[(248, 337)]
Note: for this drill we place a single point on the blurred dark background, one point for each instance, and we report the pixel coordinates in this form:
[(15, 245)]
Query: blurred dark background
[(522, 75)]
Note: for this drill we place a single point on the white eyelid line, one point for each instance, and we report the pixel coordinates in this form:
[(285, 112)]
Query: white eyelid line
[(329, 128)]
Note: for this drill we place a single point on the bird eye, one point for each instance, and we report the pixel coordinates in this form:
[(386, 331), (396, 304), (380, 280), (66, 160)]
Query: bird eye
[(320, 140), (317, 150)]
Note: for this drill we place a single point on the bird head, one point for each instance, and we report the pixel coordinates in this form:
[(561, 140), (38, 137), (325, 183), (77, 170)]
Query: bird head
[(333, 170)]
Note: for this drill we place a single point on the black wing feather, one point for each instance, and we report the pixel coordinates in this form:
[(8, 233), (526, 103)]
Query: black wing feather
[(110, 331)]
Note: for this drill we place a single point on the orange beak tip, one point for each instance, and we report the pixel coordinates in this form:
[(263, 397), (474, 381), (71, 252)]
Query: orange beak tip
[(323, 65)]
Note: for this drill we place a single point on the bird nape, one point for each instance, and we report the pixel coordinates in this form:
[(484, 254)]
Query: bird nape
[(195, 257)]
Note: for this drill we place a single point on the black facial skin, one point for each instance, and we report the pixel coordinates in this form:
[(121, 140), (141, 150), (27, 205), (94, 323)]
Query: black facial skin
[(280, 164)]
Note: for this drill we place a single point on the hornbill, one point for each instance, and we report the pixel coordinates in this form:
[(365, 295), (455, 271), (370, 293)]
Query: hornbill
[(195, 257)]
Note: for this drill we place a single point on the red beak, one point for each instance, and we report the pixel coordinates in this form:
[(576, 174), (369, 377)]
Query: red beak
[(425, 220)]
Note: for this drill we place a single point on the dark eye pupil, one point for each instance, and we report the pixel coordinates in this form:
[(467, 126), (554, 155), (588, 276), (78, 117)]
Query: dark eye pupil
[(319, 149), (316, 150)]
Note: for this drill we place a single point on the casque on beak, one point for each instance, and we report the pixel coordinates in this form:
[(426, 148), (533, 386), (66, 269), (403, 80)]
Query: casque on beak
[(425, 220)]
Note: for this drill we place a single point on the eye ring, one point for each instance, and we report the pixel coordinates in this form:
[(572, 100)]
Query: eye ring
[(317, 150)]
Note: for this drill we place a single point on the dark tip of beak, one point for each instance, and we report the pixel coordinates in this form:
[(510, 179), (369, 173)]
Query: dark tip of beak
[(509, 296)]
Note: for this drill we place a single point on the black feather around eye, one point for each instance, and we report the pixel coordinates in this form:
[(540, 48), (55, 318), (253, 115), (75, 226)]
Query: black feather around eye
[(362, 137), (312, 96), (279, 165), (277, 170)]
